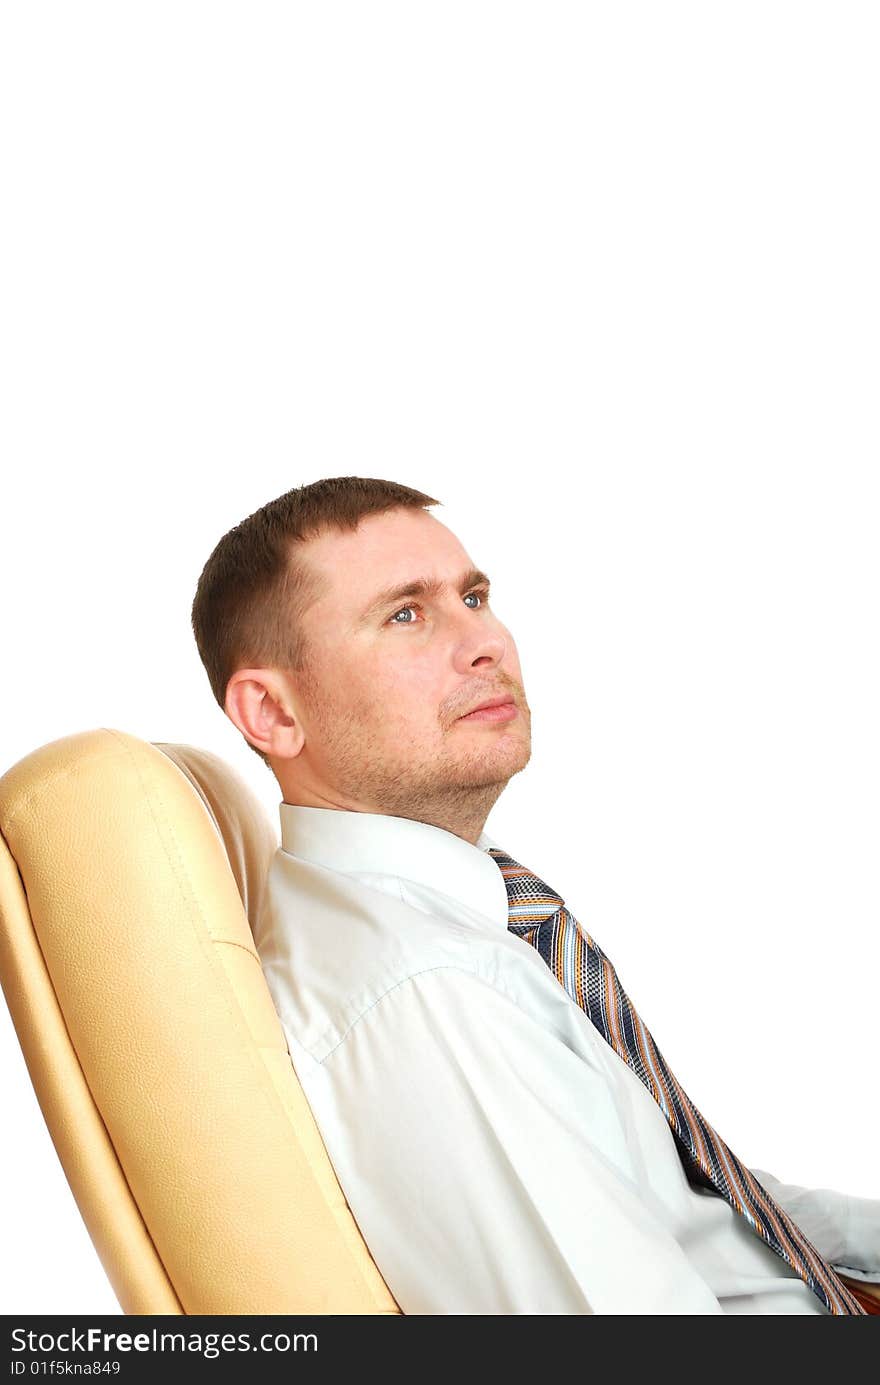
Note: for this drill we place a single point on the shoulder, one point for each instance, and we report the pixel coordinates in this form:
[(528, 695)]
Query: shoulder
[(336, 952)]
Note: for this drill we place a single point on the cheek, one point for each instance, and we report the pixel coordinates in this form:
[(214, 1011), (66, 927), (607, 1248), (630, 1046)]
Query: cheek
[(511, 661), (404, 696)]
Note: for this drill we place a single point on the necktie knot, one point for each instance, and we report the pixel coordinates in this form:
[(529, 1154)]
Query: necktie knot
[(530, 900)]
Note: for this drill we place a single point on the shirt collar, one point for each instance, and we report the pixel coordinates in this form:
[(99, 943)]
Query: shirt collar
[(379, 844)]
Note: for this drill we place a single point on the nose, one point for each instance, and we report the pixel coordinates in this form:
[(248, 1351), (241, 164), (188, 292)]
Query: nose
[(480, 645)]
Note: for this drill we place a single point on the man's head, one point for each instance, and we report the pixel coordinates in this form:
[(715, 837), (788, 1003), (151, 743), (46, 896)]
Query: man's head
[(349, 683)]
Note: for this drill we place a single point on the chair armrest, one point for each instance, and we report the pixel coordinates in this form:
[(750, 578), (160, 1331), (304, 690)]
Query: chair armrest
[(868, 1295)]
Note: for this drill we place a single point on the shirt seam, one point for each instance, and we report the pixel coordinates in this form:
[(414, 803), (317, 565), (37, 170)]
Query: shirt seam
[(399, 892), (423, 971)]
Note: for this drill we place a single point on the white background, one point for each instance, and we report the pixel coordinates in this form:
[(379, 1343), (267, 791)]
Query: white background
[(604, 280)]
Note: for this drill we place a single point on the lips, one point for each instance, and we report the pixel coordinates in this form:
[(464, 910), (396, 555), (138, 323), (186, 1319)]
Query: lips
[(500, 701)]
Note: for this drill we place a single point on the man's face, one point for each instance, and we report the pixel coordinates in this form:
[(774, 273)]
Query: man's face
[(388, 682)]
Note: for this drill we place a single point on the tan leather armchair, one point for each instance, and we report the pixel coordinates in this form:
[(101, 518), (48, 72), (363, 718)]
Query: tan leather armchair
[(130, 873)]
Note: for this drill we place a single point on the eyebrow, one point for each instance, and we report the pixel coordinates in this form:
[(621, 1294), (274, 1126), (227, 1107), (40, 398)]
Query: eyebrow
[(421, 586)]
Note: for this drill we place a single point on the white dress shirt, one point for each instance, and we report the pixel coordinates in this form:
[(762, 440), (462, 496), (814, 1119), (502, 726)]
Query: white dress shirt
[(497, 1154)]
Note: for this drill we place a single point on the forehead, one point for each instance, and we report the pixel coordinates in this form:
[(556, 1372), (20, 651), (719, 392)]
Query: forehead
[(384, 550)]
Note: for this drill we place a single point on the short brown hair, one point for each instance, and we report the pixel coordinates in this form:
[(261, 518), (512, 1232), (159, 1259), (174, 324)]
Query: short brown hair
[(253, 593)]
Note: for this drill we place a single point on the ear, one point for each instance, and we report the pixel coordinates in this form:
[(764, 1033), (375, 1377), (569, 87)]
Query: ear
[(260, 702)]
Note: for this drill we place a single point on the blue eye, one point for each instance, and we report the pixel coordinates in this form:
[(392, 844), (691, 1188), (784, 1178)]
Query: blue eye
[(482, 594)]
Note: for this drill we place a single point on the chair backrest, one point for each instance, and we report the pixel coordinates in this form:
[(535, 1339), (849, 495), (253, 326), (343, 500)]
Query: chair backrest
[(128, 875)]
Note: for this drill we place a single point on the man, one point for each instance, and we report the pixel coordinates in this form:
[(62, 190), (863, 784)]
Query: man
[(503, 1146)]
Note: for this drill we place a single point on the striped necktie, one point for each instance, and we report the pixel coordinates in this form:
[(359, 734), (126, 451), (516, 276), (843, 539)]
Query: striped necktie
[(538, 914)]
